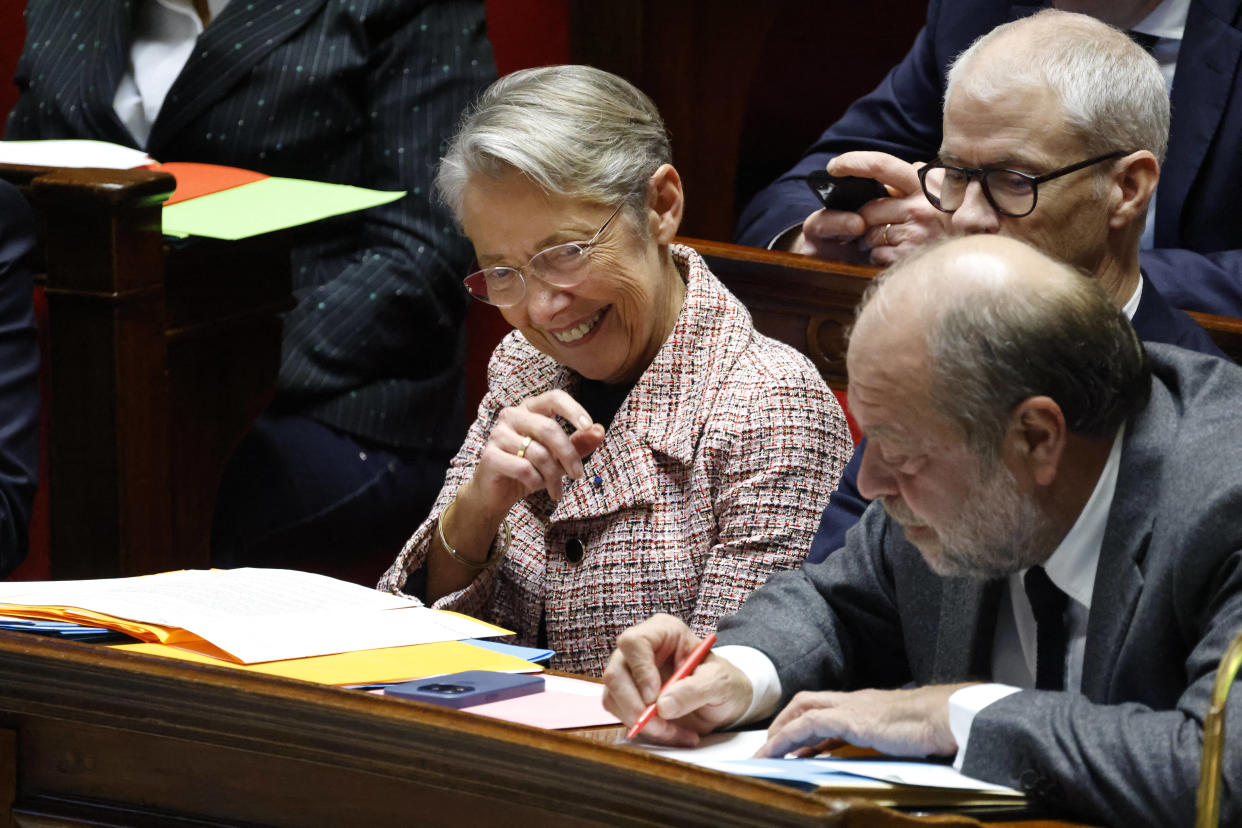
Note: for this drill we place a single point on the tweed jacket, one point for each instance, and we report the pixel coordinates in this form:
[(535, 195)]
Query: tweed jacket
[(1167, 599), (359, 92), (711, 477)]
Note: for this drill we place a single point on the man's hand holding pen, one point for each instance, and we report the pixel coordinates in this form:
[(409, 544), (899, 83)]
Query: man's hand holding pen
[(715, 694), (911, 722)]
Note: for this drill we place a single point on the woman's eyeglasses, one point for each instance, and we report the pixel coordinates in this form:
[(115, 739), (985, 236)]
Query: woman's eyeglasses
[(562, 265)]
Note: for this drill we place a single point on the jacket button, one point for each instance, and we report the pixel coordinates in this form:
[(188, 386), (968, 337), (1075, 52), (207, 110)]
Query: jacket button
[(575, 551)]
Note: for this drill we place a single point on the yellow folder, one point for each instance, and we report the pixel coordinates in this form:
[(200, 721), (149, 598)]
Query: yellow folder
[(364, 666)]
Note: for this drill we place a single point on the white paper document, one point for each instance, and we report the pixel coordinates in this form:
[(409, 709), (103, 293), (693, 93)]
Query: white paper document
[(733, 752), (72, 153), (714, 747), (258, 614)]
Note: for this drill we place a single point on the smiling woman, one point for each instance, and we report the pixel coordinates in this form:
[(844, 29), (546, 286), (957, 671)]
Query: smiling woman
[(606, 317), (641, 448)]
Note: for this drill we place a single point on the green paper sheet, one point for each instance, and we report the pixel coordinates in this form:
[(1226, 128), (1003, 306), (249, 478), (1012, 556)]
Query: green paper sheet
[(267, 205)]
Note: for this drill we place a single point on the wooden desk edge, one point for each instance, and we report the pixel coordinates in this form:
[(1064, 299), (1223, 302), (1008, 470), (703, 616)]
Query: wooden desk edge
[(285, 719), (290, 719)]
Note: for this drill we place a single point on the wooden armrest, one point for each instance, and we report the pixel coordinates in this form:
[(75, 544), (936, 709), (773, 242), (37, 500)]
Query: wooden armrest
[(1225, 331)]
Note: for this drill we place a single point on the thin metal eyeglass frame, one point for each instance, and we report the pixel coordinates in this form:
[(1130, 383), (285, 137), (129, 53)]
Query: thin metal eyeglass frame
[(585, 246), (982, 173)]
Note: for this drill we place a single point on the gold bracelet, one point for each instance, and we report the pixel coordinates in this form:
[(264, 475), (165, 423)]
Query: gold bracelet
[(491, 560)]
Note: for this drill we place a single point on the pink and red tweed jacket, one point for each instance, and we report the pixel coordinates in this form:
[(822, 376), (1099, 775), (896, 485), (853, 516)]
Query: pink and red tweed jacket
[(712, 475)]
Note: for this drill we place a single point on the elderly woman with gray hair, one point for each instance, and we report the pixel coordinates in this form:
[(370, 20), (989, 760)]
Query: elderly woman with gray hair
[(641, 448)]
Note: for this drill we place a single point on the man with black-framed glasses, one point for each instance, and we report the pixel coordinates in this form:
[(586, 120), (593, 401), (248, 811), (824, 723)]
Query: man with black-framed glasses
[(1011, 193), (1192, 245), (1041, 154)]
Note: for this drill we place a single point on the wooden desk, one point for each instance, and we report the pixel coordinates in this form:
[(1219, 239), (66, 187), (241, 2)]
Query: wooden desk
[(161, 355), (88, 733)]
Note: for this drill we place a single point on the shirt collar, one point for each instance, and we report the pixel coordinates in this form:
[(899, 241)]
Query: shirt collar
[(1073, 563), (1166, 20), (1132, 304)]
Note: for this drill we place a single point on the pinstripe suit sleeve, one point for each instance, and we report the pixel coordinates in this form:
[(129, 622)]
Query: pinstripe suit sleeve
[(395, 300), (19, 384)]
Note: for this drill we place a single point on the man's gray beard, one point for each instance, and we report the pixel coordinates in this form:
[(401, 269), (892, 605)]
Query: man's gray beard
[(999, 532)]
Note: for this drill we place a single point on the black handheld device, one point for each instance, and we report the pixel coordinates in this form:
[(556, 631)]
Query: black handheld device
[(845, 193), (468, 688)]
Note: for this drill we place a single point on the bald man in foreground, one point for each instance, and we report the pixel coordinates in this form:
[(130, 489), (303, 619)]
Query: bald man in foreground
[(1021, 439)]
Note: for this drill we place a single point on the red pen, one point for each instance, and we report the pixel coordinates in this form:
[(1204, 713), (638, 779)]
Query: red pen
[(684, 669)]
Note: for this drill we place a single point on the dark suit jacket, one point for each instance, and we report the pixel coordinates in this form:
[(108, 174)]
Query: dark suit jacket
[(1167, 599), (352, 91), (1197, 263), (1154, 321), (19, 379)]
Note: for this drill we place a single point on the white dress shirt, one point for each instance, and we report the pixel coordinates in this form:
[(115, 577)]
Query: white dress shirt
[(1167, 22), (1071, 567), (165, 32)]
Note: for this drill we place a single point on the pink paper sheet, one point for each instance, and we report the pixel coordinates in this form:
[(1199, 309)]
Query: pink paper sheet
[(564, 703)]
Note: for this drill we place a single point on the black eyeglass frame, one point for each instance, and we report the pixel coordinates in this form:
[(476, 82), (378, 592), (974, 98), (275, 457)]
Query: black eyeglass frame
[(584, 246), (982, 173)]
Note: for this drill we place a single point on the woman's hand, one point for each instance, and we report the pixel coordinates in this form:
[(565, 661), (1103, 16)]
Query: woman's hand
[(528, 450)]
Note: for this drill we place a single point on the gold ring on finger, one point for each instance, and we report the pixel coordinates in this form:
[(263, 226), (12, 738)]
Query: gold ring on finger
[(525, 445), (884, 235)]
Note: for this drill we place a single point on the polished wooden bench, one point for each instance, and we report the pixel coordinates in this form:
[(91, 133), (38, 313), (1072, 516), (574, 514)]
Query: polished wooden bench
[(161, 353)]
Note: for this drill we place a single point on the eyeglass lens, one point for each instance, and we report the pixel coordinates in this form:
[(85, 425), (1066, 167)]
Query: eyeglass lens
[(1008, 191), (562, 266)]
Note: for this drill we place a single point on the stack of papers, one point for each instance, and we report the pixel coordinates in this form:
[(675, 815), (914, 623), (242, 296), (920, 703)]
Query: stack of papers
[(889, 782), (276, 621), (60, 629), (210, 200), (297, 625), (365, 668), (227, 203), (535, 654), (73, 153)]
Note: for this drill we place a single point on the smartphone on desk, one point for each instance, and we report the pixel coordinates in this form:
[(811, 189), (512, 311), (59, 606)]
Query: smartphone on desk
[(845, 193), (468, 688)]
